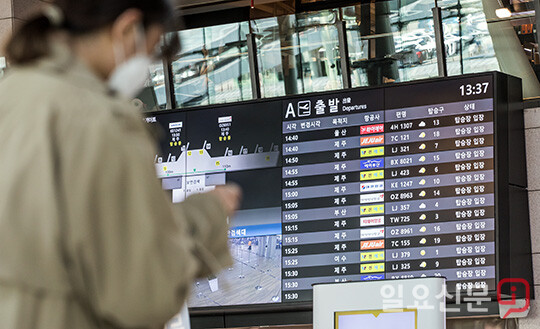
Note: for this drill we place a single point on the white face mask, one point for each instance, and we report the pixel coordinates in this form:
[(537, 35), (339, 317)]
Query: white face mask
[(129, 76)]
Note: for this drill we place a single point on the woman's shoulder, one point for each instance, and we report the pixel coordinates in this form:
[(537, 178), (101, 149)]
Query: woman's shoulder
[(29, 93), (27, 86)]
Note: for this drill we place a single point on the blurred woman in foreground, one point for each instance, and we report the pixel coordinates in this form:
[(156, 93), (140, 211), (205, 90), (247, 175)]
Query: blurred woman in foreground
[(88, 239)]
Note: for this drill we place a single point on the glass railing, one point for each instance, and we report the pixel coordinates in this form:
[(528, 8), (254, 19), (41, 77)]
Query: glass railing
[(388, 41), (468, 44), (154, 95), (213, 66), (298, 53)]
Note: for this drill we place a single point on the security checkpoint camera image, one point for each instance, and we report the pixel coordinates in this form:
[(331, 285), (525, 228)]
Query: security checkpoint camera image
[(255, 244), (254, 278), (254, 239)]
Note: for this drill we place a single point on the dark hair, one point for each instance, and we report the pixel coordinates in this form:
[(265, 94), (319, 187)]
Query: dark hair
[(31, 41)]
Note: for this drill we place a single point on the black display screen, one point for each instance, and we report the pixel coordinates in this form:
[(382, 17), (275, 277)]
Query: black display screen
[(206, 148), (363, 184)]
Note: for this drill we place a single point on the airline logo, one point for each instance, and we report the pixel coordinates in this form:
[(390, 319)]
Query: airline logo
[(372, 164), (372, 175), (175, 125), (372, 152), (372, 140), (227, 119), (372, 210), (371, 198), (372, 129), (374, 256), (372, 221), (372, 277), (372, 187), (373, 244), (372, 233), (372, 268)]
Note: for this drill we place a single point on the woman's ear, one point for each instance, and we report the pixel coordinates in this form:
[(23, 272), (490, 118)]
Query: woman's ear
[(124, 30)]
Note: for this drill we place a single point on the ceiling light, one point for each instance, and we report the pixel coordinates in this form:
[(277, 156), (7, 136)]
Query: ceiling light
[(503, 13)]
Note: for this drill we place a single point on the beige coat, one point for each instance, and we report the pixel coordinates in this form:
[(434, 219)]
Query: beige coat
[(88, 239)]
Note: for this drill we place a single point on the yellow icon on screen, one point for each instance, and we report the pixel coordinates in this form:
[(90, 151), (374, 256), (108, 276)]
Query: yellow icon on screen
[(422, 170), (171, 143), (423, 241), (422, 182), (175, 143), (422, 135), (220, 138), (422, 253), (218, 163), (422, 194), (229, 137), (371, 175), (422, 159), (423, 229), (423, 264), (372, 151), (423, 217), (164, 168), (189, 153), (201, 152), (422, 147)]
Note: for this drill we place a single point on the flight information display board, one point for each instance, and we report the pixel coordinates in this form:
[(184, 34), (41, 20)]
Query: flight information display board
[(375, 193), (396, 182)]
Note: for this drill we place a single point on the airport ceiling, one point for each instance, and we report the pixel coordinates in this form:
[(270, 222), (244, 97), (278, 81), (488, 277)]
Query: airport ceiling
[(190, 7), (200, 13), (260, 8)]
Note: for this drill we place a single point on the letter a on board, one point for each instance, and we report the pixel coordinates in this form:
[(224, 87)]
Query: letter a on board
[(290, 111)]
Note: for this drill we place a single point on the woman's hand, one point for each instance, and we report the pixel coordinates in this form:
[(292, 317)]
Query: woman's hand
[(230, 196)]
